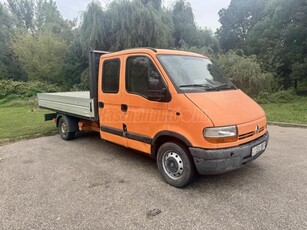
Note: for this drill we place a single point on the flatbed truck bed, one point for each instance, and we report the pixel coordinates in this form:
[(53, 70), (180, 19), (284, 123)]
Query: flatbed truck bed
[(78, 103)]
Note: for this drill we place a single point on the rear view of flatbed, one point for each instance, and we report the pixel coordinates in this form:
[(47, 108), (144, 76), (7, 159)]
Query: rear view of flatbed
[(77, 104)]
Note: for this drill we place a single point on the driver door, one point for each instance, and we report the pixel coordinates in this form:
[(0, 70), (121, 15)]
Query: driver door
[(143, 114)]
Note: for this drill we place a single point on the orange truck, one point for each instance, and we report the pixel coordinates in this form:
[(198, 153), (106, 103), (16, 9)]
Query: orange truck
[(177, 107)]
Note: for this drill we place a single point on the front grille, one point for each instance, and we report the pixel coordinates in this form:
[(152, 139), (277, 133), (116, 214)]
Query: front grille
[(246, 135), (250, 134)]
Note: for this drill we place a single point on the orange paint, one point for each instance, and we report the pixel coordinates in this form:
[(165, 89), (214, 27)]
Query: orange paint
[(187, 114)]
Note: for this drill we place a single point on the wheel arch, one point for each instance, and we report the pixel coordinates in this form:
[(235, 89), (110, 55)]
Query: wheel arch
[(72, 122), (167, 136)]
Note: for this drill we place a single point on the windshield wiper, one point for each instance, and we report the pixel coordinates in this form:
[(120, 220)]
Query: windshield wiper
[(225, 86), (206, 86)]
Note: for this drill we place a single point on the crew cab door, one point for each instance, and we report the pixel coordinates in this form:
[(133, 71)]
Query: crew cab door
[(143, 115), (110, 100)]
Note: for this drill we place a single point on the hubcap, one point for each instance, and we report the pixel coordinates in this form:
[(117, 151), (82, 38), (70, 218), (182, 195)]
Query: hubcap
[(64, 129), (172, 165)]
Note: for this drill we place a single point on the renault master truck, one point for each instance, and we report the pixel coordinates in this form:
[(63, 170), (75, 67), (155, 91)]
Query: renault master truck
[(177, 107)]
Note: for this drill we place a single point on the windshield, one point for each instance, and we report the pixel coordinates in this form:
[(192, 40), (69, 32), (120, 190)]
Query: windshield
[(195, 73)]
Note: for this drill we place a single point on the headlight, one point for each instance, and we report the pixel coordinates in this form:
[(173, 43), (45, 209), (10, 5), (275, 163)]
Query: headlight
[(221, 134)]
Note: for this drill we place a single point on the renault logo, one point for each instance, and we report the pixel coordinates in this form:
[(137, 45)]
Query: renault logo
[(257, 129)]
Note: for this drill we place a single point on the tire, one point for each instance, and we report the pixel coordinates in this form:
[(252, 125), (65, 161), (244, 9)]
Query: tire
[(175, 164), (64, 130)]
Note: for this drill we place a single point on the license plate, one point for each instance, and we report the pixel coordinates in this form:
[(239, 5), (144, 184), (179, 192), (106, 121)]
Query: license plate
[(258, 148)]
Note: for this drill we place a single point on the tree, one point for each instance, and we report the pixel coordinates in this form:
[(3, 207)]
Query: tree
[(93, 30), (48, 18), (154, 26), (24, 11), (237, 20), (75, 64), (42, 56), (5, 26), (115, 28), (9, 66), (280, 40), (156, 3), (46, 13), (29, 18), (205, 38), (185, 30)]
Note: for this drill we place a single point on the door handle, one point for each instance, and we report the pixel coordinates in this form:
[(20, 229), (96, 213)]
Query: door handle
[(100, 104), (124, 107)]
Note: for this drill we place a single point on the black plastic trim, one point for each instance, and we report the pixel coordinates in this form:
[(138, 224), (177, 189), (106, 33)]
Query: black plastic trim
[(217, 161), (167, 134), (101, 105), (124, 107), (50, 116), (117, 132), (138, 137), (172, 134), (94, 58), (132, 136)]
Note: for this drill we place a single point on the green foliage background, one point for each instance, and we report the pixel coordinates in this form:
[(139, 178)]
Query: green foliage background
[(261, 44)]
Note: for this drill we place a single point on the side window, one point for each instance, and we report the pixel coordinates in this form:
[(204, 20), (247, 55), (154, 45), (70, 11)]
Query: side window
[(110, 76), (142, 75)]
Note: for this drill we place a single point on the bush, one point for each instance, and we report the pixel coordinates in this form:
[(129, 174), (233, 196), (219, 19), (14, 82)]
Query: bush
[(84, 84), (11, 90), (279, 97), (246, 73)]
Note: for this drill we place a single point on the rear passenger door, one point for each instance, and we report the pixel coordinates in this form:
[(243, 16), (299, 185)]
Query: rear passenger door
[(110, 115)]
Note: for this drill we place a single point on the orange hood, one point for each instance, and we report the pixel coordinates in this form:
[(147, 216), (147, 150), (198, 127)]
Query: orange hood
[(229, 107)]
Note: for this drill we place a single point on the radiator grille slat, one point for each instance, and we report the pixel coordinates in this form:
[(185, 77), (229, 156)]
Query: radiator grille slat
[(250, 134)]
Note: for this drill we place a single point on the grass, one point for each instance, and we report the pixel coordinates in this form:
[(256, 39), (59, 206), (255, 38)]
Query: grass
[(290, 112), (23, 120)]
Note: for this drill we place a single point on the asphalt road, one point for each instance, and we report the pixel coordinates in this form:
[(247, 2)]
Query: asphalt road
[(47, 183)]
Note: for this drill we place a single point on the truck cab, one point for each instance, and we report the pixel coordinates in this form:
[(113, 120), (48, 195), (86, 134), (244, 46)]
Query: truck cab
[(177, 107)]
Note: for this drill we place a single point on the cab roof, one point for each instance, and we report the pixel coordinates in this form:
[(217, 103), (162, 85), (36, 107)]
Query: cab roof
[(153, 51)]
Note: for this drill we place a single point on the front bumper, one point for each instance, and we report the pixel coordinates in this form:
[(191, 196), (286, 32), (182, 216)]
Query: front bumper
[(217, 161)]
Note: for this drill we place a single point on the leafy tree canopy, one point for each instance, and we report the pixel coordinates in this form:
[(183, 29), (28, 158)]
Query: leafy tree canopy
[(237, 20), (42, 56), (280, 39), (273, 30)]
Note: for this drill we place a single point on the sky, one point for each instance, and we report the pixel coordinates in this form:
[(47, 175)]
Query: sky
[(205, 11)]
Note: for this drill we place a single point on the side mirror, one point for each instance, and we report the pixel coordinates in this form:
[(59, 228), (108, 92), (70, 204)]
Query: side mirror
[(161, 95)]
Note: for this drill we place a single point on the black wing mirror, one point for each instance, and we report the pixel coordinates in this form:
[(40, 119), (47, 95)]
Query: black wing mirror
[(161, 95)]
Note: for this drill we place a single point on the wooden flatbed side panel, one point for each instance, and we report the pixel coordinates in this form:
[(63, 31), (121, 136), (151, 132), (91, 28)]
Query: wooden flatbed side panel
[(78, 103)]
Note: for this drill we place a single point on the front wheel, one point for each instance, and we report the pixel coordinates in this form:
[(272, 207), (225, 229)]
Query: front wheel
[(175, 164)]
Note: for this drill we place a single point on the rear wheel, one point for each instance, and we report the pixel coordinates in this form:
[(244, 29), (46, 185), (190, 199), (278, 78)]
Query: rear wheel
[(175, 164), (64, 129)]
